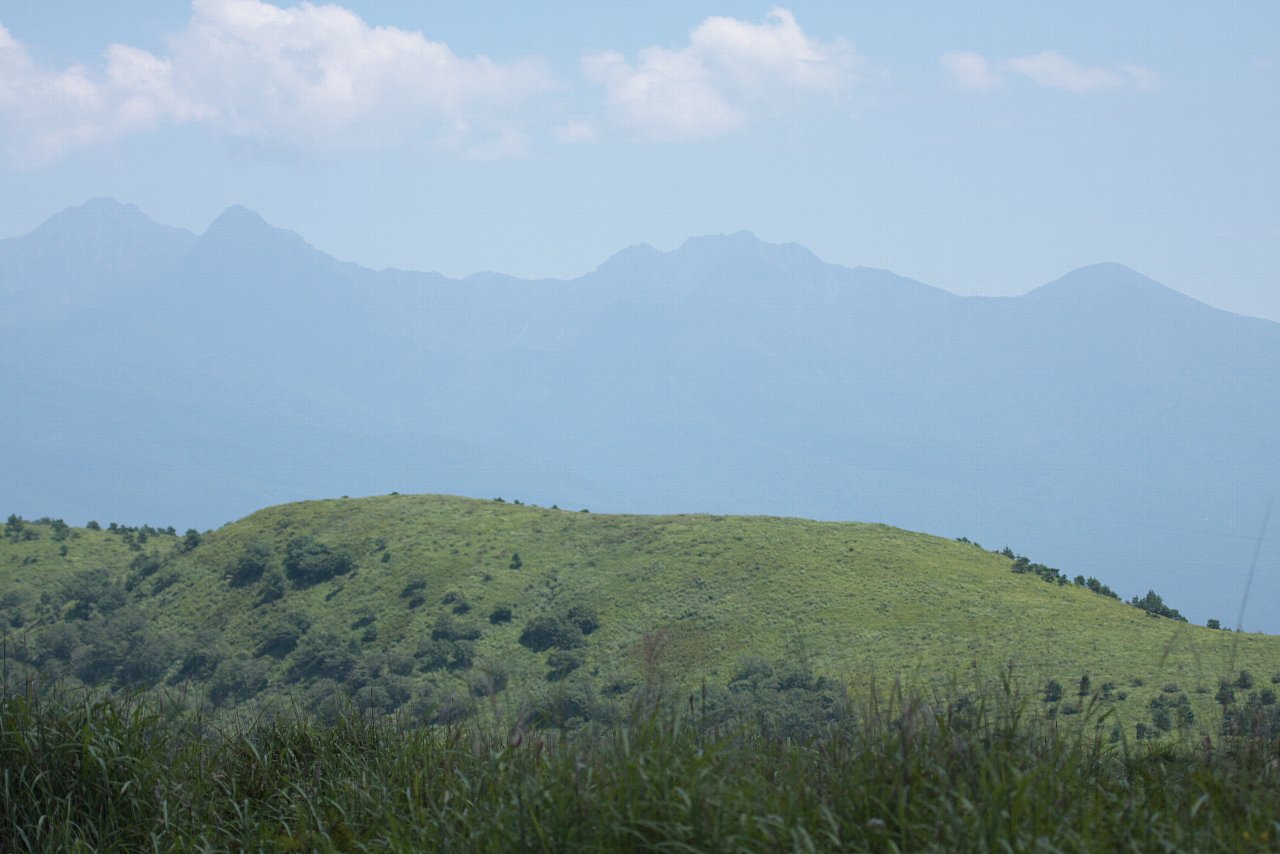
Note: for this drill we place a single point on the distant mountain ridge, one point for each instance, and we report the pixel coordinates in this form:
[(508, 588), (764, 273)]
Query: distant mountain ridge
[(1102, 422)]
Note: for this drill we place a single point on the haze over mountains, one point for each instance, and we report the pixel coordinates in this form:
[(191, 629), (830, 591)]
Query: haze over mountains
[(1101, 423)]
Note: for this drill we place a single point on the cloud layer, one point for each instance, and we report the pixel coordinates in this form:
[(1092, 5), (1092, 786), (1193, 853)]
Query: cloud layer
[(1049, 68), (318, 77), (730, 71), (311, 76)]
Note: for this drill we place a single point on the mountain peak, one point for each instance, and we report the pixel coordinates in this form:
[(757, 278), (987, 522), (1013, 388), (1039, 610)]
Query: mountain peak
[(739, 240), (239, 220), (1104, 279), (240, 226), (104, 219)]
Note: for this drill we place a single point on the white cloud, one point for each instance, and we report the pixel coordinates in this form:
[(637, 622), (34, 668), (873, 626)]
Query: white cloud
[(730, 71), (1049, 68), (1054, 70), (306, 75), (578, 130), (969, 70)]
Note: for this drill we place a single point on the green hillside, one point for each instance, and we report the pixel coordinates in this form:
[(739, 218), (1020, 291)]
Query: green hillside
[(426, 604)]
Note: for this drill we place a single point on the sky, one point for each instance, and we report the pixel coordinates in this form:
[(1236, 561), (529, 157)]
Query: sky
[(982, 147)]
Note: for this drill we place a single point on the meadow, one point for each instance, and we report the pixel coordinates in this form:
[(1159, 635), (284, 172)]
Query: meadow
[(897, 773), (434, 672)]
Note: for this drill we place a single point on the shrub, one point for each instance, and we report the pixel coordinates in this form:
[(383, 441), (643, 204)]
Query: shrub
[(543, 633), (488, 681), (272, 588), (308, 562), (237, 679), (201, 658), (250, 565), (322, 656), (417, 583), (1052, 691), (562, 662), (92, 592), (584, 617), (279, 635), (500, 614), (458, 601), (440, 654), (447, 628)]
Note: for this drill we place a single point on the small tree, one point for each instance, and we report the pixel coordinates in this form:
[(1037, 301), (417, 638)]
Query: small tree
[(1052, 691)]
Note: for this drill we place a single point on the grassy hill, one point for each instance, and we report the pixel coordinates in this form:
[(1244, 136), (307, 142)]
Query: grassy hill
[(427, 603)]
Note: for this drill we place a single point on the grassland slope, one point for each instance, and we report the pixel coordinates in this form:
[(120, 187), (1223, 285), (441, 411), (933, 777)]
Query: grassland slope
[(430, 600)]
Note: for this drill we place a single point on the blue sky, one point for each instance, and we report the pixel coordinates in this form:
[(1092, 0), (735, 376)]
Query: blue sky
[(980, 147)]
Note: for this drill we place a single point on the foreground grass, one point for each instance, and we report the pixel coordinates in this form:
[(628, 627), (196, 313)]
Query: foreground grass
[(84, 773)]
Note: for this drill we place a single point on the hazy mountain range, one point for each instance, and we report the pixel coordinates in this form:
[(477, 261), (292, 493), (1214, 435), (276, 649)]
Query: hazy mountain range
[(1102, 423)]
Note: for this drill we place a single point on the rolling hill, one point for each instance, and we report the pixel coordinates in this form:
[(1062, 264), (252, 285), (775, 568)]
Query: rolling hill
[(424, 603)]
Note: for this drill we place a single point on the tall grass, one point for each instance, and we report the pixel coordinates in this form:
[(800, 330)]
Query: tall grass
[(978, 771)]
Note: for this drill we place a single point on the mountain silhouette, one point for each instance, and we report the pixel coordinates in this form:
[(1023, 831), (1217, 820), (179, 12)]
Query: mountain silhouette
[(1102, 423)]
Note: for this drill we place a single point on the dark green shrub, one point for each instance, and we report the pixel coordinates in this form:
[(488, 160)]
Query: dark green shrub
[(500, 614), (279, 634), (57, 642), (1052, 691), (542, 633), (190, 540), (584, 617), (141, 567), (439, 654), (487, 681), (164, 582), (308, 562), (91, 591), (250, 565), (417, 583), (200, 658), (237, 679), (457, 601), (562, 662), (447, 628), (122, 648), (322, 655)]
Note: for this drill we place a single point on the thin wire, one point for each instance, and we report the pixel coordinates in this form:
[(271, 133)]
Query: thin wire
[(1248, 582)]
